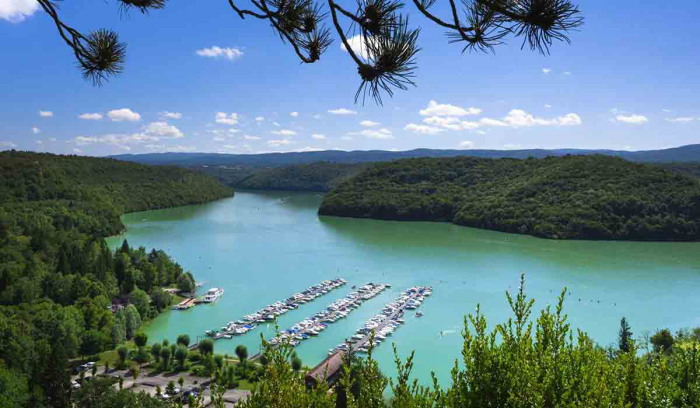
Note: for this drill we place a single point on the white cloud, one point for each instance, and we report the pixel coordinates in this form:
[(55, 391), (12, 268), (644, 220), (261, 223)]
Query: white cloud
[(161, 130), (567, 73), (234, 130), (520, 118), (219, 139), (229, 147), (39, 142), (36, 130), (448, 122), (548, 106), (224, 119), (632, 119), (248, 137), (374, 134), (342, 111), (45, 114), (53, 139), (369, 123), (284, 132), (294, 114), (77, 151), (16, 11), (318, 136), (666, 110), (276, 124), (356, 43), (259, 119), (510, 146), (346, 138), (218, 52), (281, 142), (436, 109), (90, 116), (317, 116), (685, 119), (546, 70), (171, 115), (7, 144), (466, 144), (423, 129), (515, 118), (124, 114)]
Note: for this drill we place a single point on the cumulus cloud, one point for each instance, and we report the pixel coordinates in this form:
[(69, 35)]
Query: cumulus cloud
[(124, 114), (346, 138), (374, 134), (16, 11), (281, 142), (357, 44), (546, 70), (218, 52), (342, 111), (546, 105), (423, 129), (369, 123), (45, 114), (317, 116), (171, 115), (515, 118), (4, 143), (224, 119), (90, 116), (248, 137), (53, 139), (632, 119), (684, 119), (259, 119), (77, 151), (39, 142), (466, 144), (294, 114), (449, 122), (284, 132), (318, 136), (218, 139), (36, 130), (161, 130), (436, 109)]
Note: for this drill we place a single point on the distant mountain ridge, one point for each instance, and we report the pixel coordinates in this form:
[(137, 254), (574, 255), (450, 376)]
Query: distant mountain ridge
[(681, 154)]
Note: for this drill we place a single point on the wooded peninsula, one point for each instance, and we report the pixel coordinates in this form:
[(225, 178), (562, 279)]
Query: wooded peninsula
[(569, 197)]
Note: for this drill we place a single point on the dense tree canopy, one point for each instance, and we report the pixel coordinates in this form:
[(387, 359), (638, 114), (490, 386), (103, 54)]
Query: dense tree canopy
[(581, 197), (58, 278)]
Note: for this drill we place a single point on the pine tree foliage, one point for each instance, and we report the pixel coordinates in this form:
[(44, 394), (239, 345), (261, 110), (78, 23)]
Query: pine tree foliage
[(386, 58)]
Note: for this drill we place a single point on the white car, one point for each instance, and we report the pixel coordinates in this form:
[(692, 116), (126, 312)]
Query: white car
[(75, 385)]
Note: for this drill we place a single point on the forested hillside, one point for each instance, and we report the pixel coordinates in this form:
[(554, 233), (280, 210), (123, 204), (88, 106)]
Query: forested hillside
[(571, 197), (58, 278), (319, 177)]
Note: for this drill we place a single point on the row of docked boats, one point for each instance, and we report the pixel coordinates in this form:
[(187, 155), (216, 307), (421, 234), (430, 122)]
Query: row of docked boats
[(383, 325), (337, 310), (272, 311)]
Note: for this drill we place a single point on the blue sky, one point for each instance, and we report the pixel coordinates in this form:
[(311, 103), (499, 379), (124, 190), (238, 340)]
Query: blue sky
[(628, 81)]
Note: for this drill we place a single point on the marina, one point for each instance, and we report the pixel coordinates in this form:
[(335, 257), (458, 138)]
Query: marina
[(382, 325), (339, 309), (271, 312)]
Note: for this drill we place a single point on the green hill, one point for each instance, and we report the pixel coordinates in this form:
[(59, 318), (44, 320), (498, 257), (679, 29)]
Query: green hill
[(319, 177), (570, 197), (91, 193)]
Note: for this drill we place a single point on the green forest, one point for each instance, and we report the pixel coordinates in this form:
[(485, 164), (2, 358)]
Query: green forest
[(63, 292), (569, 197)]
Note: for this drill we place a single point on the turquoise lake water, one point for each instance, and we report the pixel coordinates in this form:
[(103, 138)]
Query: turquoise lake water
[(263, 247)]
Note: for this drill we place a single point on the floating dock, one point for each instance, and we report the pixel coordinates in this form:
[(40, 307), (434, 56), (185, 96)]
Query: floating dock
[(270, 312)]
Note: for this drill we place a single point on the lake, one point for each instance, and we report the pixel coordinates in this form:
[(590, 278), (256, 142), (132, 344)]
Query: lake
[(263, 247)]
